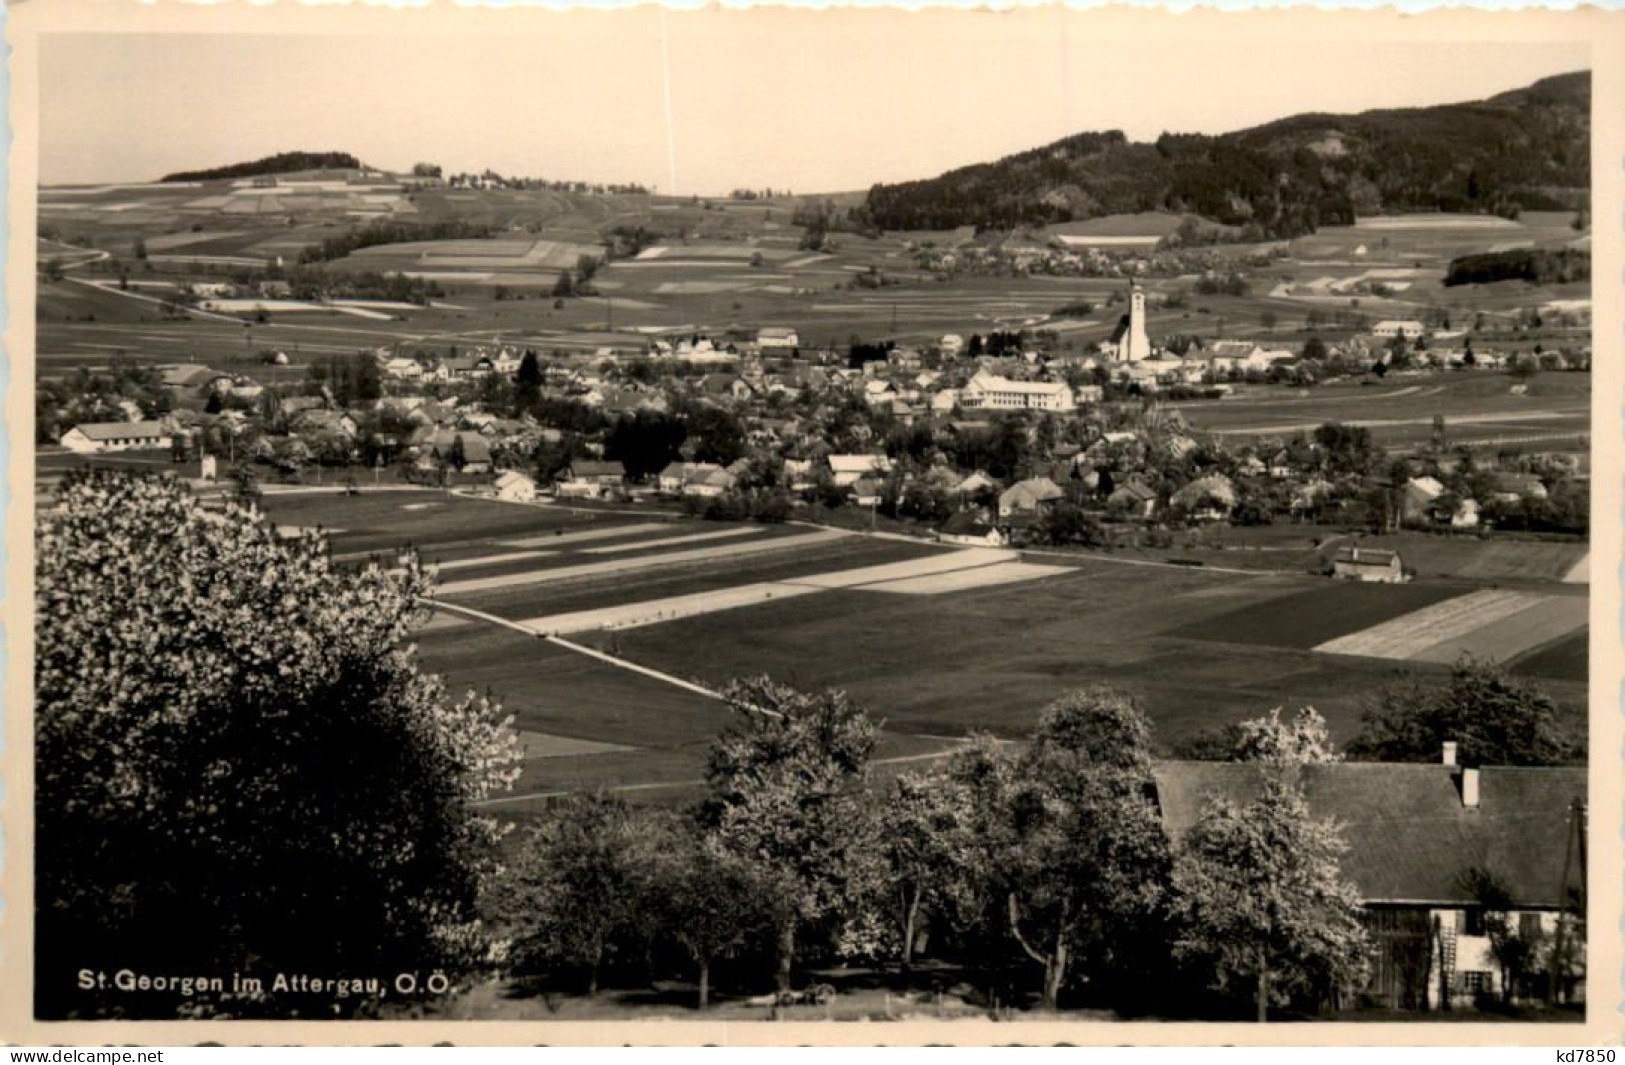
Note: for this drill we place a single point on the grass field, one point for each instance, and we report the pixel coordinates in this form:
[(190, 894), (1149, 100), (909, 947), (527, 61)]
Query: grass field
[(1475, 405), (937, 642), (1490, 560), (1323, 612)]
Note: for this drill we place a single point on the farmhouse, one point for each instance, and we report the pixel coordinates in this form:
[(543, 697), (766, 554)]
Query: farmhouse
[(971, 529), (515, 487), (1210, 498), (1030, 497), (1368, 564), (1134, 499), (1416, 836), (1417, 497), (777, 338), (990, 391), (592, 479), (91, 438)]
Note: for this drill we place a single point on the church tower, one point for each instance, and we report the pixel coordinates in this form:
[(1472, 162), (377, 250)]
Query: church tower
[(1132, 342)]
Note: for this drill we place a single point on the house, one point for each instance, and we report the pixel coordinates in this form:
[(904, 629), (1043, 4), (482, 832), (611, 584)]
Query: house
[(866, 491), (1417, 497), (94, 438), (592, 479), (404, 369), (1407, 329), (707, 481), (470, 453), (992, 392), (1210, 498), (1511, 487), (515, 487), (846, 469), (879, 393), (1134, 499), (971, 529), (1030, 497), (189, 376), (1369, 565), (1465, 514), (323, 421), (1415, 835), (777, 338)]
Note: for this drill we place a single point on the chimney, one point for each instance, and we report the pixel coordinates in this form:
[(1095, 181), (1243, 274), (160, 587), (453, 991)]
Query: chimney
[(1469, 789), (1449, 752)]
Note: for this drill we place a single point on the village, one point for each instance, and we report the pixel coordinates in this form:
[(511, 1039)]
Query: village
[(986, 448), (1138, 577)]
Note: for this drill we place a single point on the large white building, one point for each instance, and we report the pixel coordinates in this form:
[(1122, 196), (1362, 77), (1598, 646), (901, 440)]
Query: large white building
[(88, 438), (988, 391)]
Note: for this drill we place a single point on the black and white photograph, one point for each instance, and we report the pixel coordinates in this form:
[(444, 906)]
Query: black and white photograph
[(775, 518)]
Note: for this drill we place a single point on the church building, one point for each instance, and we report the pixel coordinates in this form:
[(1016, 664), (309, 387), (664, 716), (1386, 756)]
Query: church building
[(1130, 339)]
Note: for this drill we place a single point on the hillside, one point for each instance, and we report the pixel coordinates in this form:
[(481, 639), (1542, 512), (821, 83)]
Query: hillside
[(280, 163), (1525, 149)]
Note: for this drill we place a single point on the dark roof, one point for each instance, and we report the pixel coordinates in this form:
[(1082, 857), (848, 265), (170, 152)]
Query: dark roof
[(596, 468), (1364, 556), (965, 523), (1410, 838), (475, 447)]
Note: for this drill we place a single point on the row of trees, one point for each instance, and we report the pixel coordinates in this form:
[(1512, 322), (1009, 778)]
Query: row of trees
[(1040, 869)]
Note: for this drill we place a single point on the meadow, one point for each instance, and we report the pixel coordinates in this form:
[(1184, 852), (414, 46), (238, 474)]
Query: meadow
[(937, 642)]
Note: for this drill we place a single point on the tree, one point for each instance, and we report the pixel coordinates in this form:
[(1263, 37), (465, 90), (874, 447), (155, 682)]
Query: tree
[(1303, 740), (709, 897), (925, 831), (527, 384), (240, 766), (1493, 718), (645, 442), (1261, 901), (1512, 951), (1067, 523), (1083, 861), (1314, 349), (139, 249), (785, 790), (565, 286), (580, 883)]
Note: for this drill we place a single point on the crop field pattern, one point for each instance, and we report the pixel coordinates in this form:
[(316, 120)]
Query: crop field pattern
[(938, 642)]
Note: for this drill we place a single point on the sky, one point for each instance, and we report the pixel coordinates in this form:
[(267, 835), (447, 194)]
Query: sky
[(806, 103)]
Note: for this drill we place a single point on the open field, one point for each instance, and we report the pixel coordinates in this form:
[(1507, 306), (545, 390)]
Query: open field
[(1490, 560), (1568, 659), (939, 642), (1319, 612), (1400, 413)]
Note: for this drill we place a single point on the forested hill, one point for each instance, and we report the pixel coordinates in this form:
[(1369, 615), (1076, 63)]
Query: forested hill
[(281, 163), (1528, 149)]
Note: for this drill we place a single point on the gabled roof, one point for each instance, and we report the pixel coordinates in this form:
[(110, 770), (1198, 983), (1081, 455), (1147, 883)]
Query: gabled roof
[(1031, 492), (965, 523), (1364, 556), (859, 463), (121, 430), (1409, 836)]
